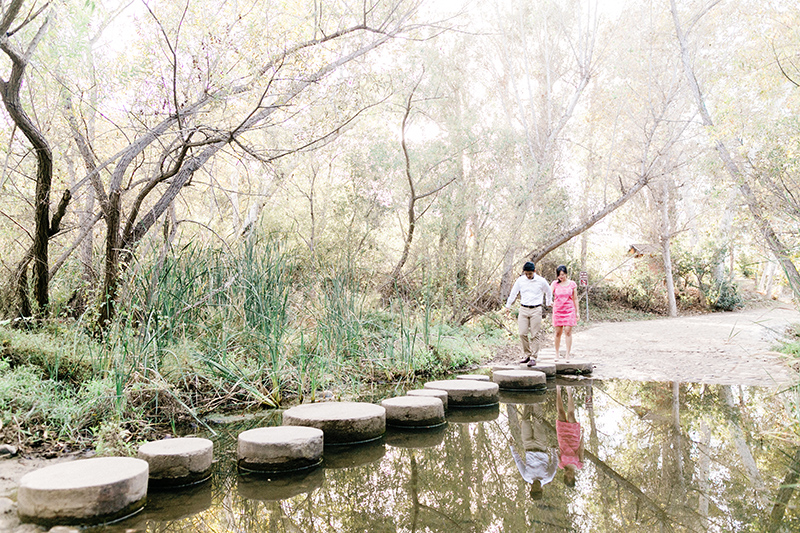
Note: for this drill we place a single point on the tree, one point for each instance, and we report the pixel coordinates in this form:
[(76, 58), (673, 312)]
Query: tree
[(734, 169), (44, 226), (209, 114)]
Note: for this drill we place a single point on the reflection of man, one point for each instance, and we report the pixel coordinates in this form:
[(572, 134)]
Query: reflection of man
[(533, 291), (539, 465)]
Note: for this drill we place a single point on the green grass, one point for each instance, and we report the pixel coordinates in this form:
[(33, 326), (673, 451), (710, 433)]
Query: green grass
[(205, 330)]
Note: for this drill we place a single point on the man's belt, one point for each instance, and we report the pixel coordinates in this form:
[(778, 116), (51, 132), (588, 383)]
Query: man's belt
[(531, 306)]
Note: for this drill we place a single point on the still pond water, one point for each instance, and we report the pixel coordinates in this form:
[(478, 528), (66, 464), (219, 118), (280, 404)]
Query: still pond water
[(657, 457)]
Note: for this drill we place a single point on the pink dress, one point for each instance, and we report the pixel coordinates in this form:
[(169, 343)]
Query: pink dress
[(569, 442), (564, 311)]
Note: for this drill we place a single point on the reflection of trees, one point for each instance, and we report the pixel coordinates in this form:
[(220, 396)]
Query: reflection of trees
[(660, 456)]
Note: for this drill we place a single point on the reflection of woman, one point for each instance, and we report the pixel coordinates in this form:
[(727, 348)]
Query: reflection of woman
[(565, 308), (570, 440)]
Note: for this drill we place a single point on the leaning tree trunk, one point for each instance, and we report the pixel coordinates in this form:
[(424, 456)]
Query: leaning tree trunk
[(772, 239), (9, 90)]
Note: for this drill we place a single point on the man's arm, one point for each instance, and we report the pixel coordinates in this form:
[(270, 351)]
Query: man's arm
[(548, 293), (513, 294)]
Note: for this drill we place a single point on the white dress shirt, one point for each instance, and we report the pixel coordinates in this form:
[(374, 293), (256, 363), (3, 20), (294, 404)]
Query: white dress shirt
[(531, 292)]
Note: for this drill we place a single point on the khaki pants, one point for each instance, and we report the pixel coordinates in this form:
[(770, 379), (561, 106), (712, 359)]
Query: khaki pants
[(534, 436), (530, 322)]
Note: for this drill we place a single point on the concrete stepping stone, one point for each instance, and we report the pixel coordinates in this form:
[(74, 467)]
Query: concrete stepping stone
[(574, 366), (415, 438), (523, 397), (280, 449), (279, 487), (342, 422), (87, 491), (548, 367), (466, 393), (178, 462), (354, 455), (414, 411), (473, 377), (430, 393), (520, 379), (473, 415)]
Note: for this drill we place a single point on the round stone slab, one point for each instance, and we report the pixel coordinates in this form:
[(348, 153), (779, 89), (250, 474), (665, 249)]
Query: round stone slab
[(575, 366), (474, 377), (87, 491), (466, 393), (280, 449), (430, 393), (520, 379), (342, 422), (548, 367), (178, 462), (414, 411)]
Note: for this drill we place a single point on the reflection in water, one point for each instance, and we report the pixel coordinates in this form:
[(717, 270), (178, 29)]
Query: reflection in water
[(658, 456)]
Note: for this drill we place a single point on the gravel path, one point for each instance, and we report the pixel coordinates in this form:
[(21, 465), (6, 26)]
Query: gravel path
[(719, 348)]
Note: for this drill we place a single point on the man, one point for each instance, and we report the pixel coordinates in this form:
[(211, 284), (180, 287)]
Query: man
[(533, 291)]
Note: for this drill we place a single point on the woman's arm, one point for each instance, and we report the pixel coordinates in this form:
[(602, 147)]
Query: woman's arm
[(575, 301)]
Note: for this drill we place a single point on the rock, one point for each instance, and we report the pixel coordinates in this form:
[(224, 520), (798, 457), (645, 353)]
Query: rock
[(7, 450), (430, 393), (178, 462), (466, 393), (520, 379), (87, 491), (280, 449), (414, 411), (342, 422), (473, 377)]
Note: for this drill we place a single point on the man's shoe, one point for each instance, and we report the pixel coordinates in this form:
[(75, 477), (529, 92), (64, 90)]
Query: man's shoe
[(525, 360), (532, 363)]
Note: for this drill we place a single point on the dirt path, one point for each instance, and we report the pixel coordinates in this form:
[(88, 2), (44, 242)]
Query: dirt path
[(720, 348)]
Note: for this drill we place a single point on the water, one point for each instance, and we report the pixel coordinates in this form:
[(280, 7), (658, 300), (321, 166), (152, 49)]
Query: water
[(658, 457)]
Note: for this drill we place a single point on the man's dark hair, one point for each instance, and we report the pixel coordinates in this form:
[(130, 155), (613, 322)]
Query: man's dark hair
[(529, 267)]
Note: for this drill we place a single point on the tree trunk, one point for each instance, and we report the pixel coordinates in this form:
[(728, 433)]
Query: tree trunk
[(666, 238), (44, 158), (768, 233)]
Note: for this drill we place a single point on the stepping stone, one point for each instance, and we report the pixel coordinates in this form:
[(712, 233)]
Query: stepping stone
[(474, 414), (415, 438), (280, 449), (280, 487), (430, 393), (414, 411), (342, 422), (520, 379), (474, 377), (523, 397), (575, 366), (178, 462), (87, 491), (354, 455), (548, 367), (466, 393)]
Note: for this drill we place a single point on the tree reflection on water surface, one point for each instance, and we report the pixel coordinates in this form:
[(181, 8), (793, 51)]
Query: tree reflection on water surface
[(657, 457)]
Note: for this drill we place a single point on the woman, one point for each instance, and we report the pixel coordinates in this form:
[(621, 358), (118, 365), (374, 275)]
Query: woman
[(565, 308)]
